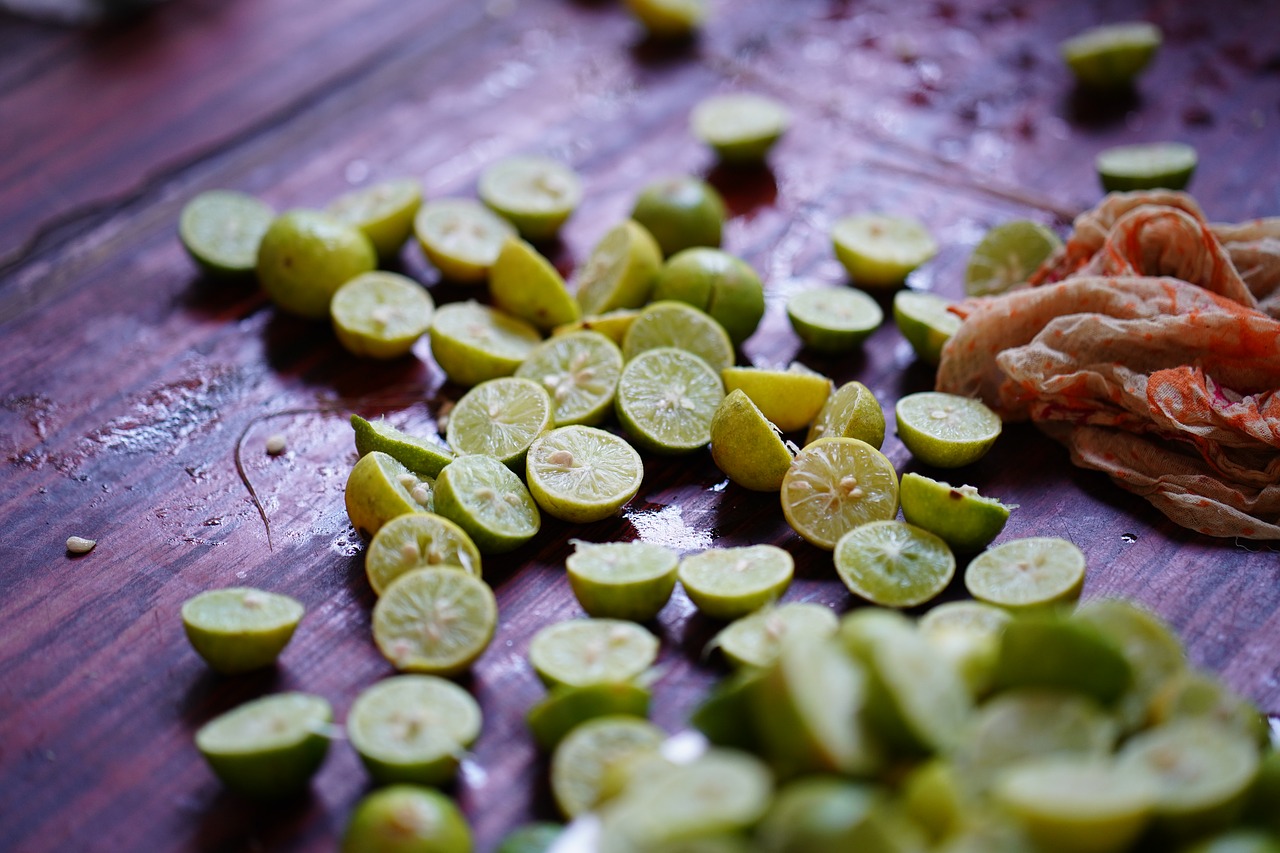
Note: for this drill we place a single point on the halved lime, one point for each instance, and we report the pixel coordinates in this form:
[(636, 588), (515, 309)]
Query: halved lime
[(1151, 165), (894, 564), (473, 342), (380, 314), (756, 639), (833, 319), (435, 621), (724, 715), (746, 446), (580, 371), (581, 762), (418, 540), (379, 488), (1047, 650), (583, 474), (592, 651), (422, 456), (1190, 694), (536, 194), (268, 747), (413, 728), (680, 212), (500, 418), (461, 237), (968, 634), (221, 230), (1241, 840), (524, 284), (851, 411), (622, 580), (827, 815), (1111, 55), (306, 255), (923, 319), (406, 819), (964, 616), (937, 799), (722, 285), (836, 484), (740, 127), (383, 211), (490, 502), (676, 324), (612, 324), (667, 398), (725, 583), (1007, 255), (964, 519), (669, 18), (791, 399), (566, 707), (946, 430), (239, 629), (1027, 572), (880, 250), (620, 271)]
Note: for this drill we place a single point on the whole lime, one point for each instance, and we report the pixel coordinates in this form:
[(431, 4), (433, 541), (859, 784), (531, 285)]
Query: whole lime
[(724, 286), (406, 819), (306, 255), (681, 213)]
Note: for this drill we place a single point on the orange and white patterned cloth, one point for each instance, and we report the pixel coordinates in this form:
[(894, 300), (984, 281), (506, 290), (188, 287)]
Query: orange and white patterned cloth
[(1150, 346)]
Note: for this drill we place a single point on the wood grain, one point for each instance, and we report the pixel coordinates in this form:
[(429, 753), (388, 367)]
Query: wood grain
[(126, 379)]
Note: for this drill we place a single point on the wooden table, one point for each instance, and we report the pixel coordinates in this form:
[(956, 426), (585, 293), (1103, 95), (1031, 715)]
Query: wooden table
[(126, 378)]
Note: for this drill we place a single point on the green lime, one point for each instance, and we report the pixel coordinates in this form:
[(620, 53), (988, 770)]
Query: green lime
[(791, 399), (1151, 165), (964, 616), (1112, 55), (851, 411), (567, 706), (675, 324), (500, 418), (622, 580), (726, 583), (612, 324), (536, 194), (268, 747), (741, 127), (473, 342), (833, 319), (968, 634), (1007, 255), (383, 211), (592, 651), (422, 456), (434, 621), (746, 446), (878, 250), (1027, 572), (1042, 649), (406, 819), (827, 815), (756, 639), (894, 564), (1243, 840), (680, 212), (583, 474), (666, 400), (1189, 694), (306, 255), (221, 230), (964, 519), (946, 430), (379, 488), (240, 629), (413, 728), (923, 319), (836, 484), (620, 271), (461, 237), (669, 18), (580, 371), (489, 501), (1261, 809), (724, 286), (536, 837), (418, 540), (581, 762), (380, 314), (724, 716), (524, 284), (937, 800)]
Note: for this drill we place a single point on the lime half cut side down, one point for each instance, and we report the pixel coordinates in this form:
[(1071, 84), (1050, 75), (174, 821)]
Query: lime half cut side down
[(383, 211)]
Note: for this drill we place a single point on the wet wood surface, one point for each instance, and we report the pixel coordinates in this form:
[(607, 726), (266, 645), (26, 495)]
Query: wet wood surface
[(127, 381)]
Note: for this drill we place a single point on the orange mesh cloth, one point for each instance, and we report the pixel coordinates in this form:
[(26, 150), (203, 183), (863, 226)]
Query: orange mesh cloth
[(1152, 358)]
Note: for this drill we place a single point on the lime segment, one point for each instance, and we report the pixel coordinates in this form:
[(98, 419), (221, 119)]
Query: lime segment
[(461, 237), (221, 230), (746, 446), (1167, 165), (622, 580), (791, 399), (1007, 255), (380, 314), (851, 411), (833, 319), (725, 583), (422, 456), (524, 284), (667, 398), (620, 271), (434, 621), (536, 194), (946, 430), (268, 747), (964, 519), (418, 540), (592, 651), (741, 127), (583, 474), (383, 211), (500, 418), (1027, 572), (836, 484), (473, 342), (894, 564), (580, 371), (756, 639), (879, 250), (490, 502), (240, 629)]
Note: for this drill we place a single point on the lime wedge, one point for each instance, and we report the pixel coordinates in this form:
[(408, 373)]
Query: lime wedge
[(473, 342), (536, 194), (1007, 255), (964, 519), (879, 250), (680, 212), (1027, 572), (820, 815), (418, 540), (1190, 694), (791, 399), (240, 629), (379, 488), (675, 324), (1167, 165), (592, 651), (490, 502), (726, 583), (580, 764), (305, 256), (583, 474), (851, 411), (740, 127), (500, 418), (620, 271), (756, 639), (580, 371), (268, 747), (923, 319), (567, 706), (833, 319), (380, 314), (383, 211), (413, 728), (836, 484), (1112, 55), (622, 580), (434, 621), (461, 237), (1049, 651), (894, 564), (421, 456), (612, 324), (221, 230), (666, 400), (404, 818), (946, 430), (722, 285), (524, 284), (746, 447)]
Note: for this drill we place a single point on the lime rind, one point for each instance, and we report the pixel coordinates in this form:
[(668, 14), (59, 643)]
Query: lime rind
[(965, 520), (420, 455)]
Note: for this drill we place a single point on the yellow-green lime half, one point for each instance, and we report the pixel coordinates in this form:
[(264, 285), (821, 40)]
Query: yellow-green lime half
[(851, 411), (473, 342), (894, 564), (1149, 165), (306, 255), (1027, 572), (524, 284), (489, 501), (964, 519), (581, 763), (383, 211), (536, 194), (270, 747), (741, 127), (221, 230), (434, 621), (500, 418), (418, 540), (592, 651), (726, 583), (1007, 255), (946, 430), (746, 446), (582, 474), (1112, 55), (790, 398), (924, 320), (667, 398), (622, 580), (461, 237), (620, 271), (669, 323), (420, 455), (836, 484), (580, 371), (833, 319), (379, 488), (879, 250), (240, 629), (756, 639), (380, 314), (406, 818)]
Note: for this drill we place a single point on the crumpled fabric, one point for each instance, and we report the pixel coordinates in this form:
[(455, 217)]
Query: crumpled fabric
[(1151, 349)]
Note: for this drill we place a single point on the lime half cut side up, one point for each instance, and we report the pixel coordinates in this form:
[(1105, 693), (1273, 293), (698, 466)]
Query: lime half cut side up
[(536, 194), (500, 418), (268, 747), (756, 639), (879, 250), (1167, 165), (1007, 255), (946, 430), (380, 314), (924, 320), (580, 371), (240, 629), (836, 484), (221, 230), (592, 651), (383, 211), (1027, 572), (582, 474), (622, 580), (740, 127), (419, 540), (894, 564), (669, 323), (489, 501), (581, 763), (473, 342), (667, 398), (833, 319), (434, 621), (461, 237), (1111, 56), (726, 583)]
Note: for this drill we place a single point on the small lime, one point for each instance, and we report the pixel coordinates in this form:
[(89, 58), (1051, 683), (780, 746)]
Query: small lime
[(946, 430), (580, 763), (580, 371), (1166, 165), (524, 284), (434, 621), (836, 484), (406, 819), (667, 399), (680, 212), (756, 639), (894, 564), (490, 502), (791, 399), (567, 706), (383, 211), (592, 651), (622, 580), (221, 230), (925, 321), (536, 194), (746, 446), (669, 323), (620, 271), (422, 456), (833, 319), (380, 314), (1112, 55), (851, 411), (726, 583), (879, 250), (268, 747), (740, 127), (240, 629), (1007, 255), (722, 285), (306, 255), (379, 488), (418, 540), (473, 342), (500, 418), (582, 474)]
